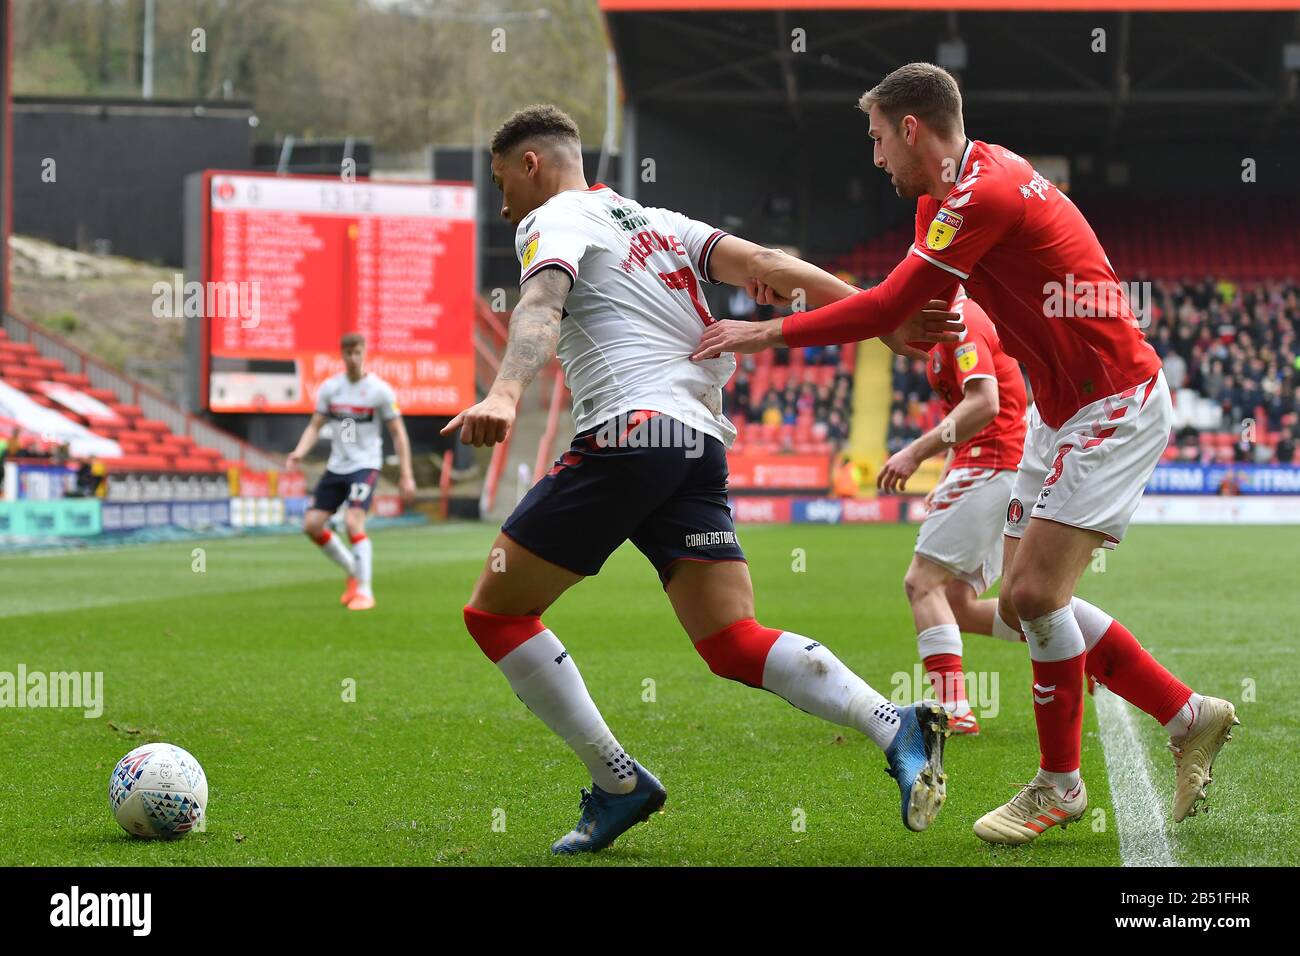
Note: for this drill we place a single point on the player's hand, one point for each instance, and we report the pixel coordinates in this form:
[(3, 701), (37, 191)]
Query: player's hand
[(486, 423), (900, 467), (935, 323), (928, 500), (764, 294), (897, 343), (292, 461), (406, 487), (732, 335)]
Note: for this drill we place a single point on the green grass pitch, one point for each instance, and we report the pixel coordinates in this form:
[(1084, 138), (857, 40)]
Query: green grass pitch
[(436, 762)]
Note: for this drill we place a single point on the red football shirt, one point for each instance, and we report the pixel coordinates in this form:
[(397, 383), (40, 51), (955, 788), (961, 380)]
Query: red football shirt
[(1026, 254), (979, 355)]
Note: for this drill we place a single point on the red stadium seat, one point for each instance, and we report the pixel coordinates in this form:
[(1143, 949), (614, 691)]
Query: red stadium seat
[(128, 463), (75, 379)]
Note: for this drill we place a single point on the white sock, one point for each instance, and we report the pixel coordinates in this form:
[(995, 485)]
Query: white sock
[(811, 678), (1002, 630), (361, 552), (940, 639), (1186, 716), (1093, 621), (1063, 782), (336, 551), (546, 679), (945, 639), (1055, 636)]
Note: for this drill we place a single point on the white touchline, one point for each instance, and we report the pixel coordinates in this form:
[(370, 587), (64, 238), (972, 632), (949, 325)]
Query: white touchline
[(1139, 812)]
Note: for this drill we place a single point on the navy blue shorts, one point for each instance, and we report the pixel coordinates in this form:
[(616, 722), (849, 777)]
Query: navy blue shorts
[(356, 488), (643, 477)]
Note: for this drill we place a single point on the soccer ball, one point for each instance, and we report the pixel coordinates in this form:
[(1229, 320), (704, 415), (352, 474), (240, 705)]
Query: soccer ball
[(158, 790)]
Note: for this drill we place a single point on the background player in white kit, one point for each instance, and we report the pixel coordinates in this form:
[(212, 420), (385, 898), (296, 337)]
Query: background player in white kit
[(614, 287), (355, 402)]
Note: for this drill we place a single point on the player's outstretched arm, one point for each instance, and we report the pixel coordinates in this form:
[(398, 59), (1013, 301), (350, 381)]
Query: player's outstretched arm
[(912, 303), (740, 262), (534, 334), (309, 436), (978, 406)]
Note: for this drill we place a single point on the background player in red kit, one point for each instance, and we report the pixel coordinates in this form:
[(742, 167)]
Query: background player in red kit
[(959, 546), (1101, 420)]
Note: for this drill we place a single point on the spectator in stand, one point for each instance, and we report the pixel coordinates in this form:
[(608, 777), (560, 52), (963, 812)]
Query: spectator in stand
[(901, 433), (1286, 447), (772, 409), (740, 304), (822, 407), (740, 398), (4, 452), (837, 429)]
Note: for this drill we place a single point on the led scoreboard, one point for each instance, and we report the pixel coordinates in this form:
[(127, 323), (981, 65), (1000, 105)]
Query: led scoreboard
[(293, 263)]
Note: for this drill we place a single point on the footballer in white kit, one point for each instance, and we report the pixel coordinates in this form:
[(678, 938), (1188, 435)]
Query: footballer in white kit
[(357, 405), (613, 289)]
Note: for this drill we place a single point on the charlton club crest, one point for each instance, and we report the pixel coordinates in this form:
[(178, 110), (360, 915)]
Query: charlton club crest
[(1015, 511)]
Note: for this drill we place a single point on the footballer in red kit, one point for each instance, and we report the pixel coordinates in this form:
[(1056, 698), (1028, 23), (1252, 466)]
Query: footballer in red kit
[(1101, 420), (958, 551)]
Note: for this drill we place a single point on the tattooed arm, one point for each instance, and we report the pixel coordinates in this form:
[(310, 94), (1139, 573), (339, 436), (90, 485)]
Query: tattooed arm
[(534, 332)]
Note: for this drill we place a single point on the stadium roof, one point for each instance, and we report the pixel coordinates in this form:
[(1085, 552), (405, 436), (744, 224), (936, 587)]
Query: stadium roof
[(1024, 6), (1168, 75)]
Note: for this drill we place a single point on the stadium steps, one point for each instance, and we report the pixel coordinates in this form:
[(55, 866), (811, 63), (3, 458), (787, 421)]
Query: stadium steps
[(154, 434), (530, 426), (872, 390)]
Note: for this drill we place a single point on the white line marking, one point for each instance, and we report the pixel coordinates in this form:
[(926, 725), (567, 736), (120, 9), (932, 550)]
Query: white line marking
[(1139, 810)]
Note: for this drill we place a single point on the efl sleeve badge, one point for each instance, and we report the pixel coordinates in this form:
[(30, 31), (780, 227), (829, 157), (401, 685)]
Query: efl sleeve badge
[(530, 250), (967, 357), (942, 230)]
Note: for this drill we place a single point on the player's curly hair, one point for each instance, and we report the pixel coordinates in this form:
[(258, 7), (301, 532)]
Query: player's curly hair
[(542, 120), (926, 91)]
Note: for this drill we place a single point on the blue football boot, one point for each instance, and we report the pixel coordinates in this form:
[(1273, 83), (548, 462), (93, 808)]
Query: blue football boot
[(606, 815), (916, 762)]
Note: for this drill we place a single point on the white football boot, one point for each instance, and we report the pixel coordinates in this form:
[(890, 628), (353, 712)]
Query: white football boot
[(1195, 751), (1033, 811)]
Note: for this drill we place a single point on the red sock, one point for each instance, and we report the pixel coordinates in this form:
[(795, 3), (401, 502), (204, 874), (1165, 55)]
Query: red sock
[(1058, 711), (739, 651), (946, 677), (499, 634), (1126, 668)]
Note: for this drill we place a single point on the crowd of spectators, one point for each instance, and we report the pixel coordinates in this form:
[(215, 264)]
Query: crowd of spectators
[(1234, 344), (1231, 343), (790, 393)]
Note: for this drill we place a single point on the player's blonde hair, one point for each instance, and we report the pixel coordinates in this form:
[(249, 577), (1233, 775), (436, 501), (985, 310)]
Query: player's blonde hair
[(926, 91)]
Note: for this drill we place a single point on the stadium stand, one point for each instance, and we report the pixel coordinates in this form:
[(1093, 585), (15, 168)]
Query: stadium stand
[(792, 400), (148, 445), (1230, 356)]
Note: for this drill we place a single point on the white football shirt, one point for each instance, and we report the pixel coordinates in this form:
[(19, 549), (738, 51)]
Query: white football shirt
[(635, 313), (356, 409)]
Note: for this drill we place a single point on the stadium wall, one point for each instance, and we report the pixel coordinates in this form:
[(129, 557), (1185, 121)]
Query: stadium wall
[(119, 168)]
